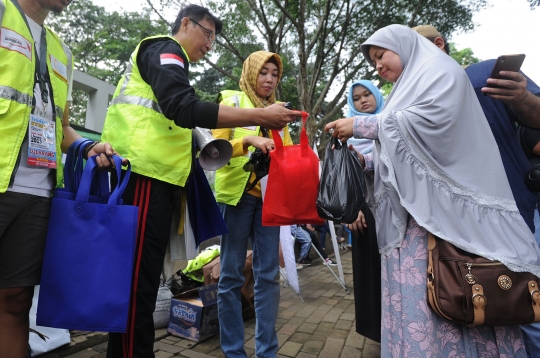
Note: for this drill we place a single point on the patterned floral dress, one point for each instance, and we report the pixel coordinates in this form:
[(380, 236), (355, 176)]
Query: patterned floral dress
[(411, 329)]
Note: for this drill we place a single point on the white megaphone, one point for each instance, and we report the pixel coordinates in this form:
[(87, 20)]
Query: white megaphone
[(215, 152)]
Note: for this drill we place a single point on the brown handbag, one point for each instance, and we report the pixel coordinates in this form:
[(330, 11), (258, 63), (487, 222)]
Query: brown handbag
[(472, 290)]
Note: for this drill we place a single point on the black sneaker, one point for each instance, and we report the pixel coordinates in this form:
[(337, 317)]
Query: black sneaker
[(305, 261), (330, 262)]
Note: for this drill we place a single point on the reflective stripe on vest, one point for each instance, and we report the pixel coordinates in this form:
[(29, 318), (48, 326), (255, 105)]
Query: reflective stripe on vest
[(17, 90), (14, 95), (138, 101), (231, 180), (138, 129), (60, 110)]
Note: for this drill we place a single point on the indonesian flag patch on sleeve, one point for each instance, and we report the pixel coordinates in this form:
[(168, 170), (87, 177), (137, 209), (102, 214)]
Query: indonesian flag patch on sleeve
[(171, 59)]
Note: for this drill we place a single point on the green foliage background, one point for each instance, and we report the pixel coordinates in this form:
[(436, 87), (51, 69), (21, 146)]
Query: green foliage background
[(101, 42), (319, 42)]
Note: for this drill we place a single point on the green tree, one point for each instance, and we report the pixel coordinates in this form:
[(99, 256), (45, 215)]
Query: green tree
[(318, 40), (101, 42), (386, 88), (464, 57)]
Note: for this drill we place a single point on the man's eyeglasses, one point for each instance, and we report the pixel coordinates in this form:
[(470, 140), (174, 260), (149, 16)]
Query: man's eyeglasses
[(209, 33)]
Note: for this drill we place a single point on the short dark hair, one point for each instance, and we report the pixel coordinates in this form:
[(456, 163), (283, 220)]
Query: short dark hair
[(197, 13), (446, 46)]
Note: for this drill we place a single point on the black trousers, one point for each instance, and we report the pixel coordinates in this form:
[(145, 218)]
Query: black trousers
[(155, 200), (315, 242), (367, 280)]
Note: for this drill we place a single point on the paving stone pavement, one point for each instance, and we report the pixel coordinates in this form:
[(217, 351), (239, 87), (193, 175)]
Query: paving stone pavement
[(323, 325)]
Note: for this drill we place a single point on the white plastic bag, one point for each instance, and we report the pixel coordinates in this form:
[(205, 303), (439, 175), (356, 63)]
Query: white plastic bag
[(163, 307), (56, 337)]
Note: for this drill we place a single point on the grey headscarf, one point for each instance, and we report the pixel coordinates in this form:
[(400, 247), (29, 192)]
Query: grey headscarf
[(436, 160)]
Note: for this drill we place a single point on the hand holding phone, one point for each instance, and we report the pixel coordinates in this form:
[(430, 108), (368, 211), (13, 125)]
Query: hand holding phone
[(510, 88), (506, 63)]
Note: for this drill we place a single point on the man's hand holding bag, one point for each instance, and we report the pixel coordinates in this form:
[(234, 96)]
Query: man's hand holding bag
[(88, 260)]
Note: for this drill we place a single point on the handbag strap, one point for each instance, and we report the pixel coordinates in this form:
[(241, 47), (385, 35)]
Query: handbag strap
[(479, 302), (303, 134), (277, 138), (73, 167), (83, 192), (535, 296), (116, 195), (73, 170)]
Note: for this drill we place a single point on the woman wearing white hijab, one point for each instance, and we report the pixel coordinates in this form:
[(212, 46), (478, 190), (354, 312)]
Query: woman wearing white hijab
[(438, 169)]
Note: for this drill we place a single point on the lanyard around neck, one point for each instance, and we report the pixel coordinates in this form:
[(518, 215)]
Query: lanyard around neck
[(41, 60)]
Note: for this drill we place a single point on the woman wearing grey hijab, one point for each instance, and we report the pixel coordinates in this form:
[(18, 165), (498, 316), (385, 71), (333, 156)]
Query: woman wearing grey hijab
[(437, 169)]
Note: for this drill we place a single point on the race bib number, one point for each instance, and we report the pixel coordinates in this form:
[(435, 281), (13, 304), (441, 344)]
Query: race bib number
[(41, 142)]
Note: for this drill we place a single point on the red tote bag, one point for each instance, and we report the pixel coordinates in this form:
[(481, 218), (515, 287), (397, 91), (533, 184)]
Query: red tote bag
[(293, 183)]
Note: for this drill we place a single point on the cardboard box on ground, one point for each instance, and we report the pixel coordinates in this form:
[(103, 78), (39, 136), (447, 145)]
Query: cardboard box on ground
[(194, 314), (194, 309)]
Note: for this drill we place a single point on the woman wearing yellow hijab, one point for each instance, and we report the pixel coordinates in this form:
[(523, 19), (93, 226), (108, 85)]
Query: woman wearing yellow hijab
[(242, 212)]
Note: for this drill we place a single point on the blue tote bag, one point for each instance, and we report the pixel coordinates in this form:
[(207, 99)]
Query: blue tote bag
[(73, 170), (88, 260)]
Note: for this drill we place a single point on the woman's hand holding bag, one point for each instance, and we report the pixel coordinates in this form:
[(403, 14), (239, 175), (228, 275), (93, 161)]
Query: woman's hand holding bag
[(341, 193)]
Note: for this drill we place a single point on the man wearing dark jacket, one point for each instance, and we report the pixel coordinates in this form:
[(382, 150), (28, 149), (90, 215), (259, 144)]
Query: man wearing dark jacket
[(149, 122)]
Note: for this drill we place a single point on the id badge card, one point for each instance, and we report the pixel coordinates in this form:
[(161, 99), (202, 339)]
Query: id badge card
[(41, 142)]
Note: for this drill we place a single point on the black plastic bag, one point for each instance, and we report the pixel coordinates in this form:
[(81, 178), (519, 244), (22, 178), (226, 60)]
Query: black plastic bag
[(341, 190)]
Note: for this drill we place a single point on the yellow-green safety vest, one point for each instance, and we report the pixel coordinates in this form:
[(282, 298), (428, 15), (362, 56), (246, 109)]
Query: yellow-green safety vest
[(139, 131), (17, 77), (231, 180), (194, 267)]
